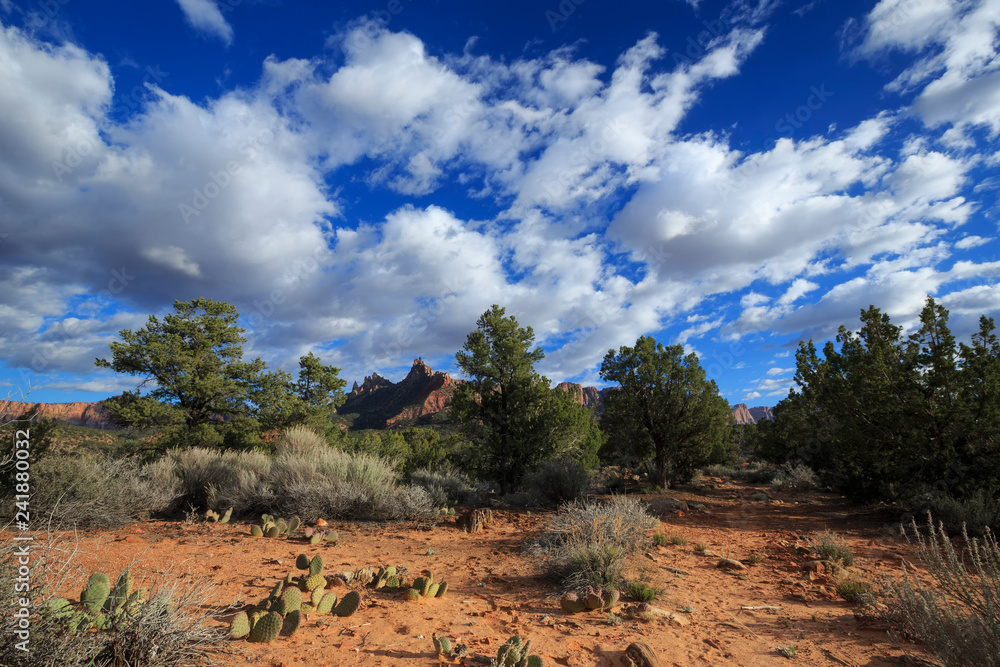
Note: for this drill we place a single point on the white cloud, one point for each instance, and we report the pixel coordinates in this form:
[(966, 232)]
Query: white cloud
[(205, 15), (957, 72), (971, 241)]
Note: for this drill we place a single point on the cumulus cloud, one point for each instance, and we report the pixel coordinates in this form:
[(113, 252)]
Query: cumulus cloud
[(604, 220), (204, 15)]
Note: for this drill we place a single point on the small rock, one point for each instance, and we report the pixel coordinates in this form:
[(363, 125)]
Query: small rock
[(640, 654), (679, 620), (730, 564), (815, 566), (760, 495), (321, 522)]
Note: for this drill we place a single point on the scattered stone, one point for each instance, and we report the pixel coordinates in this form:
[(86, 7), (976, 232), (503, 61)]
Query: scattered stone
[(678, 620), (816, 566), (640, 654), (730, 564), (675, 570), (760, 495)]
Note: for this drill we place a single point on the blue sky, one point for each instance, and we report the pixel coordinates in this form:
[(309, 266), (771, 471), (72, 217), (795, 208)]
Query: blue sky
[(363, 180)]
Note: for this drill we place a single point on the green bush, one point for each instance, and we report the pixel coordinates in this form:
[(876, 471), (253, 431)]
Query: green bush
[(976, 513), (589, 543), (99, 491), (832, 548), (959, 621), (559, 480), (643, 592), (797, 477), (444, 485)]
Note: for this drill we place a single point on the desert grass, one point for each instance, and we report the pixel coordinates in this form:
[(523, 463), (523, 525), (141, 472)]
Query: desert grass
[(959, 618)]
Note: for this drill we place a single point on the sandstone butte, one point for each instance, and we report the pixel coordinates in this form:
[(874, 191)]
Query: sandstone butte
[(377, 402)]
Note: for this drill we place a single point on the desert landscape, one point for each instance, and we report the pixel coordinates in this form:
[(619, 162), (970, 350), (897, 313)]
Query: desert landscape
[(717, 616)]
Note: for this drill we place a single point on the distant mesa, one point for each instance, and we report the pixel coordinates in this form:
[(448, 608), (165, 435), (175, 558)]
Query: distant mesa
[(421, 398), (78, 414), (380, 403), (744, 415)]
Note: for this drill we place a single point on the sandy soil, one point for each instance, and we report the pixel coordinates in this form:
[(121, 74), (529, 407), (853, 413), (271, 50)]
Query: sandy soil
[(496, 590)]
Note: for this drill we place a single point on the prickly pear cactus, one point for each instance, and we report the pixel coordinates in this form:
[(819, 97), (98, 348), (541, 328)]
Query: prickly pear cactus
[(294, 524), (302, 562), (327, 603), (348, 604), (256, 531), (593, 598), (291, 623), (317, 595), (267, 628), (571, 604), (412, 595), (441, 644), (442, 589), (316, 538), (314, 582), (240, 627), (332, 536), (316, 565), (93, 596), (432, 590), (228, 515), (609, 599), (273, 531), (535, 661)]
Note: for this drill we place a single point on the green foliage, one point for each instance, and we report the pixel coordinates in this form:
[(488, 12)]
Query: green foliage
[(559, 480), (665, 410), (642, 591), (589, 544), (98, 491), (509, 411), (959, 619), (885, 417), (830, 547), (204, 392)]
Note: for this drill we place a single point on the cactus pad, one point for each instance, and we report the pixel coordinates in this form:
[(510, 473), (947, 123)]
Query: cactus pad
[(332, 536), (316, 538), (412, 595), (267, 628), (294, 524), (442, 589), (327, 603), (302, 562), (432, 590), (348, 604), (291, 623), (317, 595), (292, 598), (256, 531), (94, 595), (272, 532), (535, 661), (316, 565), (610, 599), (228, 515), (442, 645), (314, 582), (571, 604), (240, 627)]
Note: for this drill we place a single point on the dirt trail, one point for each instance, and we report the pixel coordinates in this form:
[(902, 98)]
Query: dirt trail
[(497, 591)]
